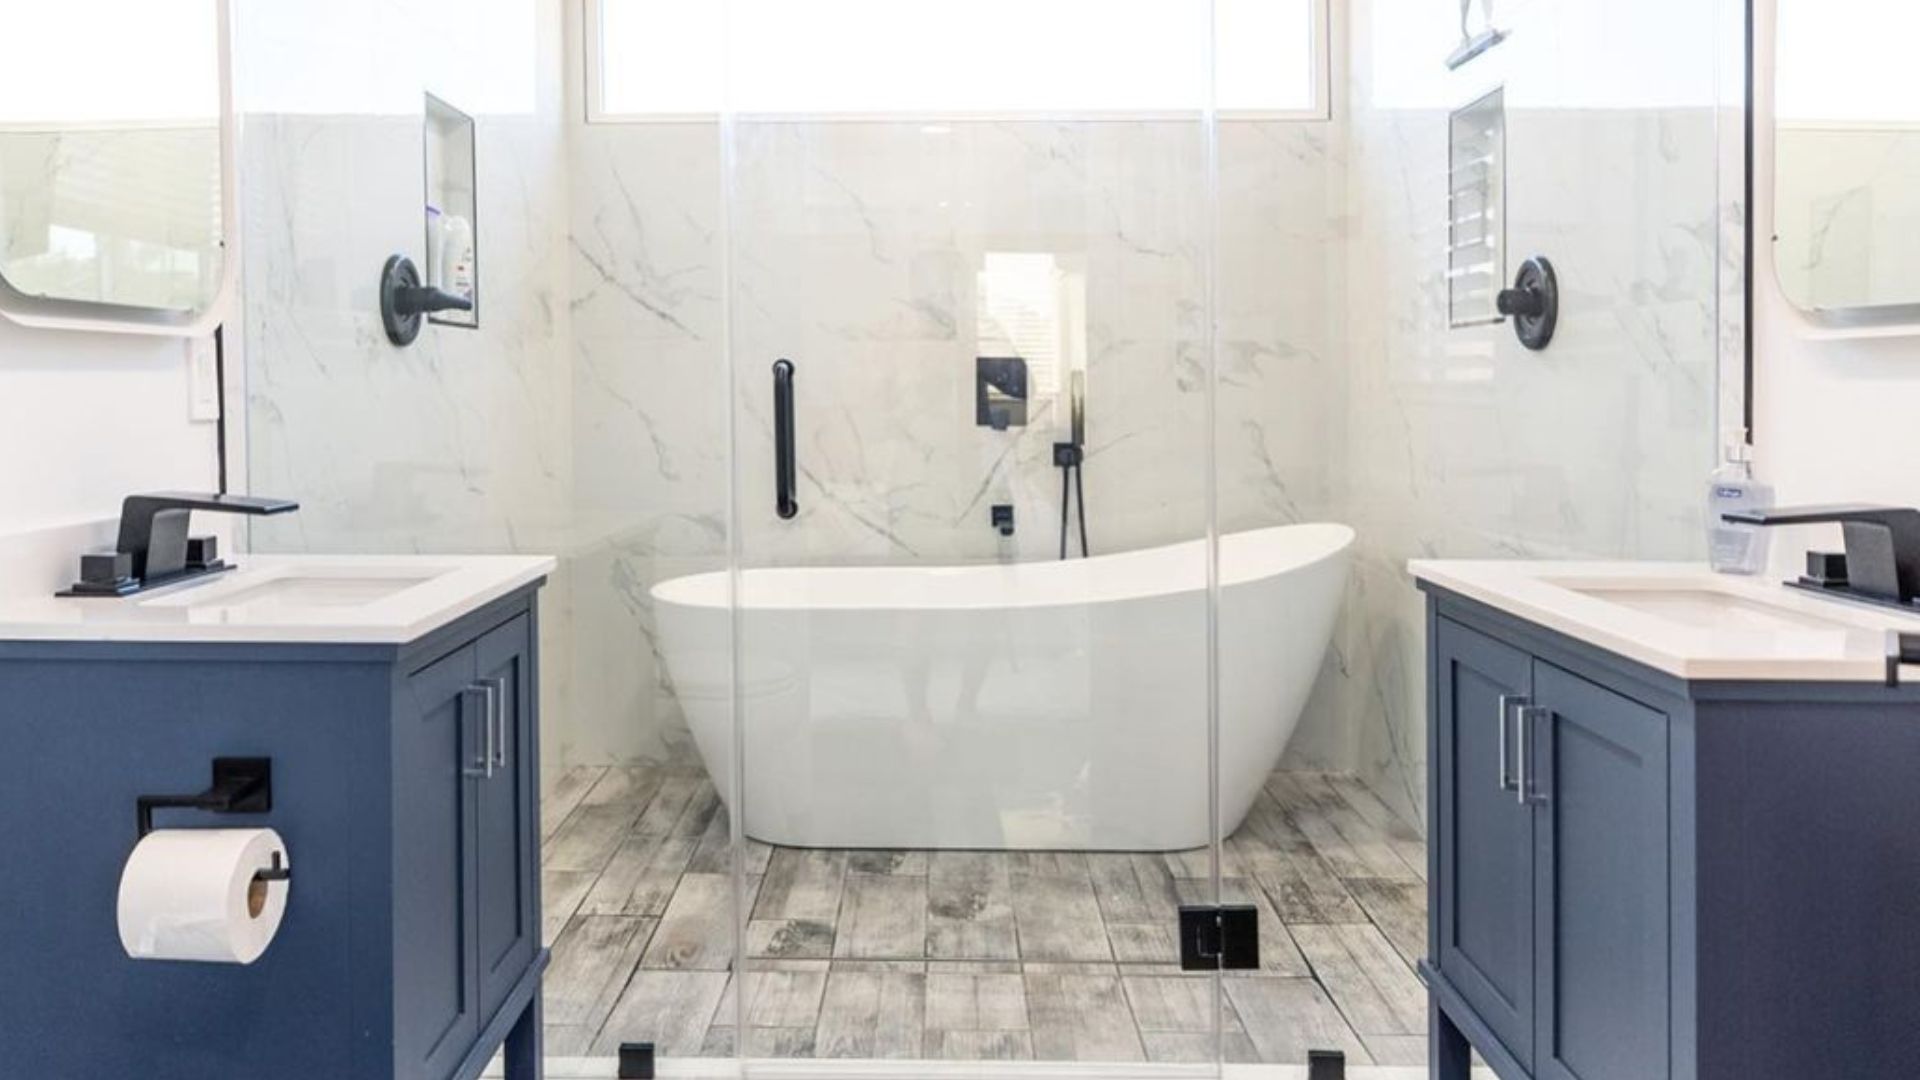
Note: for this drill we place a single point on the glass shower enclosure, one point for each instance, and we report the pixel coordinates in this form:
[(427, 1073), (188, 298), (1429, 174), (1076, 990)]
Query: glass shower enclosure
[(956, 687)]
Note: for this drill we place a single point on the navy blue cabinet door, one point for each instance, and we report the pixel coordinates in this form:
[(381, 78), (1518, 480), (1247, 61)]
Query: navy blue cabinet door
[(504, 843), (1485, 834), (1600, 786), (436, 1015)]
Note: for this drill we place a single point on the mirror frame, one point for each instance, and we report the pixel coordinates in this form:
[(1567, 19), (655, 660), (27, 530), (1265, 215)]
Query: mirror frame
[(1763, 166), (54, 314)]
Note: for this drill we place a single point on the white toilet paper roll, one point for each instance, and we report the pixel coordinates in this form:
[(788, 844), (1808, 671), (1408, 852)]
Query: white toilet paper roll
[(190, 894)]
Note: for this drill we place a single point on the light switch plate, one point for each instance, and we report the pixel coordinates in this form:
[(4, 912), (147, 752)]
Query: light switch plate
[(203, 380)]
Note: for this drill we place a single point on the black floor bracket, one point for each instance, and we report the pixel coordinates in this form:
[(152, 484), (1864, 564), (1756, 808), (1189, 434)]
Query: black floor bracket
[(636, 1061), (1326, 1065)]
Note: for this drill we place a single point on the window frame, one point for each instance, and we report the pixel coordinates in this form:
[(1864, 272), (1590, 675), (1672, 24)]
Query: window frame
[(1320, 111)]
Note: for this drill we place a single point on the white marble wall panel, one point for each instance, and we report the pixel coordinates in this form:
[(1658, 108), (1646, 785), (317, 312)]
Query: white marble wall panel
[(1461, 442), (461, 442), (855, 248)]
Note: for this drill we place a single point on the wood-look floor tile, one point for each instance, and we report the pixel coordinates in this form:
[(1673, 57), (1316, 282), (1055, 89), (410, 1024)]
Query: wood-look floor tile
[(970, 907), (974, 955), (882, 917), (761, 1042), (1302, 887), (1183, 1003), (803, 884), (589, 838), (1057, 915), (976, 1002), (1285, 1018), (1175, 1047), (1402, 1050), (696, 931), (591, 962), (1145, 943), (786, 998), (942, 1045), (872, 1014), (898, 863), (1375, 989), (1133, 888), (671, 1009), (561, 892), (790, 939), (1406, 840), (1081, 1018), (1399, 909), (1350, 847), (628, 785), (561, 792)]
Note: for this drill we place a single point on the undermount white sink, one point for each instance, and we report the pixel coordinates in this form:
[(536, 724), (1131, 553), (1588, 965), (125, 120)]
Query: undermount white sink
[(262, 592), (1682, 619), (309, 599), (1704, 607)]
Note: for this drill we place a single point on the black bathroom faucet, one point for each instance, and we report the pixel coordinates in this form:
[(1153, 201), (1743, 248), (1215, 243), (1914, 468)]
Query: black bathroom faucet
[(1882, 544), (154, 548)]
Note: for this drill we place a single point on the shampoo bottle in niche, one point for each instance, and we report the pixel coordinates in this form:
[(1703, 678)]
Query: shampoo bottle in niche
[(1734, 548), (456, 255)]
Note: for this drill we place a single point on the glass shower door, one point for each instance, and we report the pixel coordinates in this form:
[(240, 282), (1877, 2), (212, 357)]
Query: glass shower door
[(970, 746)]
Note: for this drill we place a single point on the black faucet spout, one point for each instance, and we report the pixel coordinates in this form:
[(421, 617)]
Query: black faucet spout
[(154, 548), (1882, 542)]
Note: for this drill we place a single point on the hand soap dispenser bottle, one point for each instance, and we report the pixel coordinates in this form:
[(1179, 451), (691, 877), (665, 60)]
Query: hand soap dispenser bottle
[(1732, 547)]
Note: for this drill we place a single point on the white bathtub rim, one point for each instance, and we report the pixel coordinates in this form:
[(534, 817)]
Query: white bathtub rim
[(1308, 544)]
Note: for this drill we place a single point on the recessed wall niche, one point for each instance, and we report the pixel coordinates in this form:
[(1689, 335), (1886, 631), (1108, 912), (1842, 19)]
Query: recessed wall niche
[(1476, 210), (452, 210)]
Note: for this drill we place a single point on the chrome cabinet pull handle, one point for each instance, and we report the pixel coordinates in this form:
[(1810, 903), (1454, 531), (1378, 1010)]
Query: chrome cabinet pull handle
[(482, 766), (498, 741), (1525, 787), (1508, 704)]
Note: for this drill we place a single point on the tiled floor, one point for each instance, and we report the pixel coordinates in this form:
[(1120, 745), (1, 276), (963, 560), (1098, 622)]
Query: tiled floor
[(975, 955)]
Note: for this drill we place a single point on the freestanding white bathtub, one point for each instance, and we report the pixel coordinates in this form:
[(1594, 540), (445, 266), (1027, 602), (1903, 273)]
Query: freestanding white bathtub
[(1051, 706)]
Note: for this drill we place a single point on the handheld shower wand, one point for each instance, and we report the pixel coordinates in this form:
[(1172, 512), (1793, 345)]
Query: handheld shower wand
[(1068, 457)]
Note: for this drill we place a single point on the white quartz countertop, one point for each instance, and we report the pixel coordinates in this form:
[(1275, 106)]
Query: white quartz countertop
[(287, 599), (1683, 619)]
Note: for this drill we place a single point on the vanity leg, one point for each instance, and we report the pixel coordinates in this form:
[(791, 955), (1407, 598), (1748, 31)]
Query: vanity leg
[(523, 1044), (1449, 1055)]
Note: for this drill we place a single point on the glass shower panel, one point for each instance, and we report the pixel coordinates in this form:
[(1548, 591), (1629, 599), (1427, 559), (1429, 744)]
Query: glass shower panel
[(970, 741)]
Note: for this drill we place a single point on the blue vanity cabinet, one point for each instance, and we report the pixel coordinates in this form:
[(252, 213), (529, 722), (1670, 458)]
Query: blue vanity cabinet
[(405, 782), (465, 839), (1600, 819), (506, 806), (1635, 876), (1484, 837)]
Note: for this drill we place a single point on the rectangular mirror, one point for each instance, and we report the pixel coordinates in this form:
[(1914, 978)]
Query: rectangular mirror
[(115, 164), (1847, 156)]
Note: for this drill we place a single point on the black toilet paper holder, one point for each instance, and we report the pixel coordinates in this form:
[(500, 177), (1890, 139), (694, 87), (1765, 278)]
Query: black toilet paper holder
[(240, 786)]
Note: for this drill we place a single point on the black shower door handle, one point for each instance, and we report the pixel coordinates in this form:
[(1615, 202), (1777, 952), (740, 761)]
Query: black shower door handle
[(785, 470)]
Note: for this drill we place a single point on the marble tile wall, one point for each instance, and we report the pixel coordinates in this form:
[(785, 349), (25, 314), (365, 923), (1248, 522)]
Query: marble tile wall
[(460, 442), (855, 250), (1461, 442)]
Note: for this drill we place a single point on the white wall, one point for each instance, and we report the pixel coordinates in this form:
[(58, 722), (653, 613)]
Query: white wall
[(86, 419)]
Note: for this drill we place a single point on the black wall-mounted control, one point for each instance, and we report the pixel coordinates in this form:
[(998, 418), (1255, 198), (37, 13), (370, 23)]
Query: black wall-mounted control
[(1000, 392), (1533, 303)]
